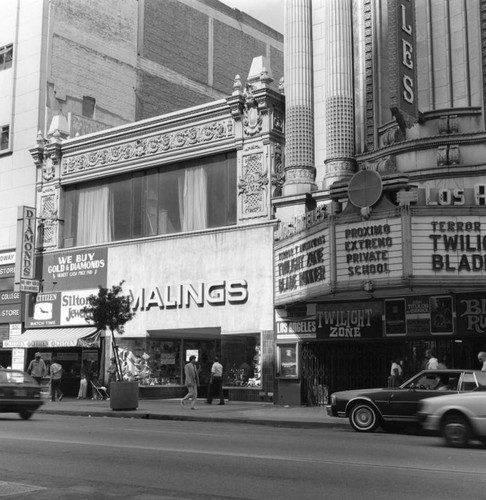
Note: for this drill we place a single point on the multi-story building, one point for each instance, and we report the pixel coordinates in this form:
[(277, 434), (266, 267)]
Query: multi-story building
[(178, 208), (79, 67), (381, 251)]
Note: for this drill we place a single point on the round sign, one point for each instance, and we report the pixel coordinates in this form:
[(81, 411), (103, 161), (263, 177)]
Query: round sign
[(365, 188)]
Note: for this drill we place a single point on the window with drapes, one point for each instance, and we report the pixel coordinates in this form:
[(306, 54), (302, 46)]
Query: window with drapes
[(195, 195)]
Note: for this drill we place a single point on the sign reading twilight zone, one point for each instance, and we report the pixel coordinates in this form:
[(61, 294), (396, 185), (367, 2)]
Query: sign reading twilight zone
[(348, 321), (449, 246), (369, 250), (300, 266)]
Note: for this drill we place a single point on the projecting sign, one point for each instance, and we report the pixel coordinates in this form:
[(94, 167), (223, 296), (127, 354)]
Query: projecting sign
[(32, 286)]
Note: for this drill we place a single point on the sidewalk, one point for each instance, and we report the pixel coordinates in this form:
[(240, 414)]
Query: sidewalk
[(170, 409)]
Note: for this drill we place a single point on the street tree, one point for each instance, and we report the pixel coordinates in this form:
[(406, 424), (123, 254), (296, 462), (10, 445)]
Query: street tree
[(110, 309)]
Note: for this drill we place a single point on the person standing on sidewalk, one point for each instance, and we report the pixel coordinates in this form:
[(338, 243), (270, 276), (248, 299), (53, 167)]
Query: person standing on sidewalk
[(56, 375), (216, 382), (37, 368), (192, 381)]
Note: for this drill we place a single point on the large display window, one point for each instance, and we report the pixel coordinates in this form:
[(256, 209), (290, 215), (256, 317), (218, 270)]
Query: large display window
[(161, 361)]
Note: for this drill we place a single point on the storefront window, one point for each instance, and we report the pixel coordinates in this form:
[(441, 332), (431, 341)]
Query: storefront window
[(241, 355), (161, 361)]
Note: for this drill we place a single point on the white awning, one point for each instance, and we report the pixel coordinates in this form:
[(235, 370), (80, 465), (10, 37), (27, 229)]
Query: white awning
[(56, 337)]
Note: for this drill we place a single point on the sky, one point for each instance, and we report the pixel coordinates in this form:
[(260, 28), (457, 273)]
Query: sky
[(270, 12)]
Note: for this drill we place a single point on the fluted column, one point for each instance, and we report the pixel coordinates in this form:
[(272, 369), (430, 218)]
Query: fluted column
[(299, 114), (340, 164)]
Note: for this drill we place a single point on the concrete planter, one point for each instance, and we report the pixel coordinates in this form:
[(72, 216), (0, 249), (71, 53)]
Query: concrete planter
[(124, 395)]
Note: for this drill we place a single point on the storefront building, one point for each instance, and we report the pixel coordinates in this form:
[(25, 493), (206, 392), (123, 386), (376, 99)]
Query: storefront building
[(178, 208), (380, 250)]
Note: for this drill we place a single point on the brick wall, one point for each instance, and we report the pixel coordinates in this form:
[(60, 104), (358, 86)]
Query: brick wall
[(176, 36)]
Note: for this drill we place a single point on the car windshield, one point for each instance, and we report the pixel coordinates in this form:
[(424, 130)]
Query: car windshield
[(15, 377)]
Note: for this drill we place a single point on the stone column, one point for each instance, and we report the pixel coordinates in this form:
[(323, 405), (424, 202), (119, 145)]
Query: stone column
[(299, 115), (340, 163)]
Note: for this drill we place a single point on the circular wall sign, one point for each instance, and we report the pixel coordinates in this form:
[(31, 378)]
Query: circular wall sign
[(365, 188)]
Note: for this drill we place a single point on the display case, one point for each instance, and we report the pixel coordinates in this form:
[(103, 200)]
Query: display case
[(288, 361)]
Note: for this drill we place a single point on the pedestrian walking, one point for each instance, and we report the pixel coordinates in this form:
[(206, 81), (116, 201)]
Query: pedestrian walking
[(56, 375), (192, 381), (37, 368), (216, 382)]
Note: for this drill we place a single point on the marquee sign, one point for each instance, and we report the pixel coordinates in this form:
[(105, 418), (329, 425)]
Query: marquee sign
[(449, 246), (369, 250), (301, 266)]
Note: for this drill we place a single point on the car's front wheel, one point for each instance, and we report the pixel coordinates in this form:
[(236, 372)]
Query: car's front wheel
[(364, 418), (26, 414), (456, 431)]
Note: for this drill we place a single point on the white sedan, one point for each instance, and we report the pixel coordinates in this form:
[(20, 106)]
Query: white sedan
[(458, 417)]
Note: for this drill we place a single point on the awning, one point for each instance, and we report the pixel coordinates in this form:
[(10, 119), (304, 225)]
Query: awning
[(56, 337)]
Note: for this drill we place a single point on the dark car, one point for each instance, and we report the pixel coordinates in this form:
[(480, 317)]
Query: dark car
[(369, 408), (19, 393)]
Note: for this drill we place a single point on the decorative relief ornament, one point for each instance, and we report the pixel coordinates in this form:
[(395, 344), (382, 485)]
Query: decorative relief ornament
[(252, 185), (278, 176), (150, 146), (48, 168), (252, 121)]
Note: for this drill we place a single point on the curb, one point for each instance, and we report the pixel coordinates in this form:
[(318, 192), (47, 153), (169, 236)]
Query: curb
[(196, 418)]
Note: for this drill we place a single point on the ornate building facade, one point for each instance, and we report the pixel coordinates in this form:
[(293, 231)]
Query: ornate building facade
[(382, 254)]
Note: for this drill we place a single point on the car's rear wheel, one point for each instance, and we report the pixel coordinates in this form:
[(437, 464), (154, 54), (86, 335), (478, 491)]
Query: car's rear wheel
[(26, 414), (456, 431), (364, 418)]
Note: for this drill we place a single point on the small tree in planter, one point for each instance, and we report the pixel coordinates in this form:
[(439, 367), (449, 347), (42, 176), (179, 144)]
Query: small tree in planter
[(110, 309)]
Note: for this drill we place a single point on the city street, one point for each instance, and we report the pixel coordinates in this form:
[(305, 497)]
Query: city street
[(67, 457)]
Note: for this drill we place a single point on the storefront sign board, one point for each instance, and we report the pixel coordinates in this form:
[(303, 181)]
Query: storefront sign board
[(471, 314), (75, 270), (224, 284), (350, 321), (57, 308)]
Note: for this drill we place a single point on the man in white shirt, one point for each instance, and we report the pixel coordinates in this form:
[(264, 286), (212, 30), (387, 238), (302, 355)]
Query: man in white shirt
[(216, 383), (432, 361)]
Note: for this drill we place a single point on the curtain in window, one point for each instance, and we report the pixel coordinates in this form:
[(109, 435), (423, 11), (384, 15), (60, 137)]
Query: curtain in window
[(193, 202), (95, 216)]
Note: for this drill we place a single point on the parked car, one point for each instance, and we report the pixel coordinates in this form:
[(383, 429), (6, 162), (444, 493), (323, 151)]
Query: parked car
[(19, 393), (369, 408), (458, 417)]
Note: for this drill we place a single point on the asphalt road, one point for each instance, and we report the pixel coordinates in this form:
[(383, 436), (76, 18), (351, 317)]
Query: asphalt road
[(66, 457)]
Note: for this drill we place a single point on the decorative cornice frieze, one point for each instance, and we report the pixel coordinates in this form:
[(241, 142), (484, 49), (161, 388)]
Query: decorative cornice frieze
[(150, 146)]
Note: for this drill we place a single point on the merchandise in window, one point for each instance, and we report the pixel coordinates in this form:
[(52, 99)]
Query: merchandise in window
[(241, 355)]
